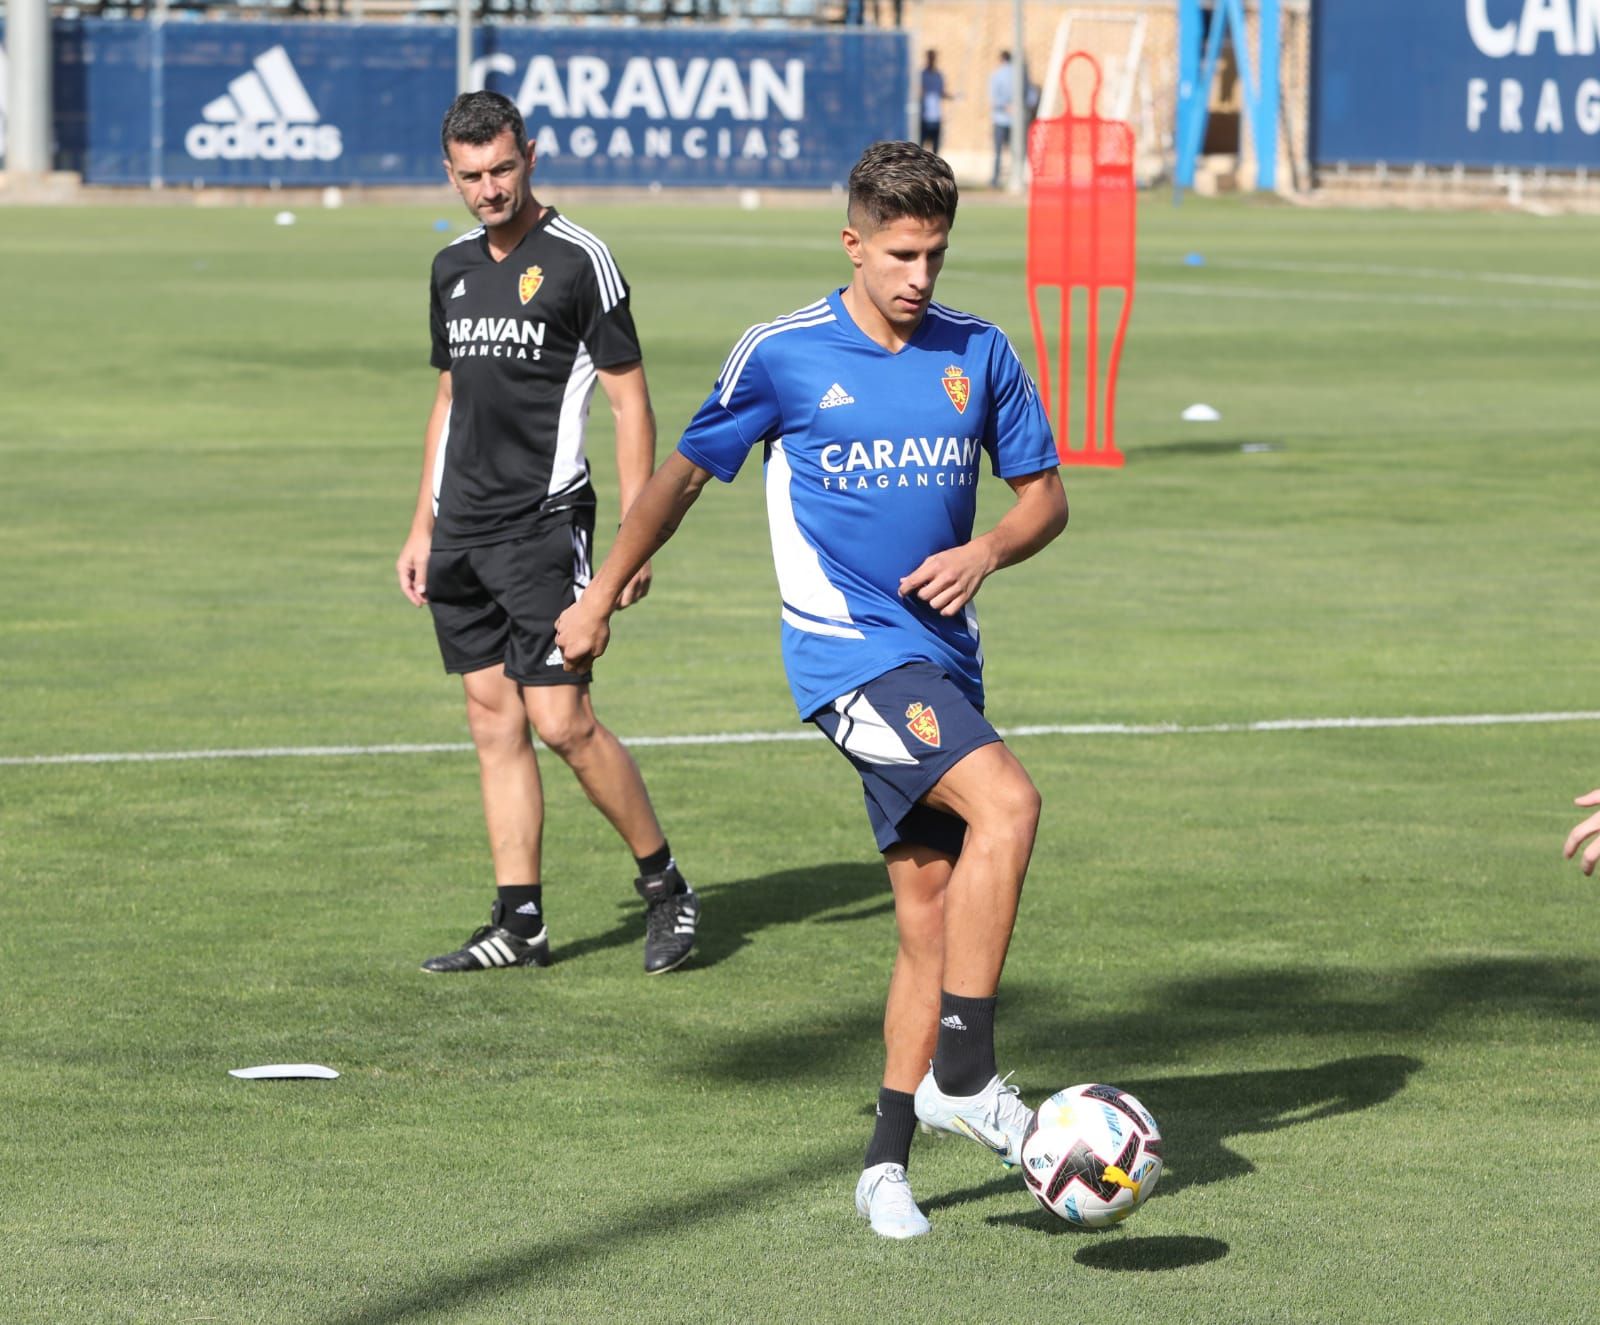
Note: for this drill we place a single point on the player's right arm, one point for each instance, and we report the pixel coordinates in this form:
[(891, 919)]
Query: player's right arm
[(584, 630), (412, 564), (741, 410)]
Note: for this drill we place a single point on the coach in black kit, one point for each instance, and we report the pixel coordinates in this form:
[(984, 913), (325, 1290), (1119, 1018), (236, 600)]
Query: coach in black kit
[(528, 312)]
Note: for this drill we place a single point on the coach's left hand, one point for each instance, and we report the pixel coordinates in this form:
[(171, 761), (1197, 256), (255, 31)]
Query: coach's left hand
[(636, 588)]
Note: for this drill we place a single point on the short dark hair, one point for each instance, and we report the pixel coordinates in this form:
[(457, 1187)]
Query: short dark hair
[(893, 180), (477, 118)]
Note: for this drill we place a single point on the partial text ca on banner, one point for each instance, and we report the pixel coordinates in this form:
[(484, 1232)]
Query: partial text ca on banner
[(1478, 82)]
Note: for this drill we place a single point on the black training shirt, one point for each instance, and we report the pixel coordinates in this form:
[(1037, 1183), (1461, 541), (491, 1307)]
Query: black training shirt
[(522, 339)]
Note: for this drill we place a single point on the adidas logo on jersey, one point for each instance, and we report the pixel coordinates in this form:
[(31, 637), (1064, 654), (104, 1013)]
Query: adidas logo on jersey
[(461, 288), (265, 115), (836, 395)]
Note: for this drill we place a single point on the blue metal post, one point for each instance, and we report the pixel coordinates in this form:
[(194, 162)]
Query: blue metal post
[(1259, 83), (1265, 132), (1191, 98)]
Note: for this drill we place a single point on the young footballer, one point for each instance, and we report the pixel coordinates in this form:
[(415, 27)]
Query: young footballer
[(528, 313), (873, 407)]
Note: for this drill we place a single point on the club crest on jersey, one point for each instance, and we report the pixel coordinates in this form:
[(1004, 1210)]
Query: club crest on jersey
[(923, 724), (529, 282), (958, 386)]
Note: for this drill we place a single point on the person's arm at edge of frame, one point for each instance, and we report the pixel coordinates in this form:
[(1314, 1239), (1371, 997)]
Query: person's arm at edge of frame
[(947, 580), (412, 564), (629, 395), (1590, 827), (583, 630)]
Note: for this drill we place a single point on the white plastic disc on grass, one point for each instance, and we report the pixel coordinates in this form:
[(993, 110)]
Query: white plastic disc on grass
[(284, 218), (1199, 413), (284, 1072)]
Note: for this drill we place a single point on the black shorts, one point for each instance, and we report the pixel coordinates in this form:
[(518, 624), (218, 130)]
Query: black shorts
[(903, 731), (498, 604)]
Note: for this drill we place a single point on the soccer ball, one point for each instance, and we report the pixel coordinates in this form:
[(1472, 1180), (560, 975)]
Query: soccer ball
[(1092, 1156)]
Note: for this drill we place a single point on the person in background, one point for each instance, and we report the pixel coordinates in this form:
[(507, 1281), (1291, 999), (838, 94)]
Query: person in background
[(931, 104), (529, 313), (1002, 104)]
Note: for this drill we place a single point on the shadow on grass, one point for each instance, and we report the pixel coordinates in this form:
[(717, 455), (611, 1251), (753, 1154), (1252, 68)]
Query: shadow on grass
[(547, 1260), (1198, 1114), (734, 912), (1181, 1019), (1182, 1016), (1160, 1253), (1112, 1249), (1214, 446)]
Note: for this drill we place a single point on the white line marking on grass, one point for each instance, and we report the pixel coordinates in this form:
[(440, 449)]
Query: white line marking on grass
[(1408, 273), (1213, 291), (984, 253), (1303, 724), (808, 734)]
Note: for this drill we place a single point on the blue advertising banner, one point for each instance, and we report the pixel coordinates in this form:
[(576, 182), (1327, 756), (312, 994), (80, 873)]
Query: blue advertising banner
[(324, 103), (1475, 82), (688, 107)]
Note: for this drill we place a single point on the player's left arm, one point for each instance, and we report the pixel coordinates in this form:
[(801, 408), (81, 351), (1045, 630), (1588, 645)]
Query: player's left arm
[(629, 395), (947, 580)]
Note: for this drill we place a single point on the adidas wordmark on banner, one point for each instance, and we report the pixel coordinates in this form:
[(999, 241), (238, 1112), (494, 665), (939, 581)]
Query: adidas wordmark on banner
[(265, 115)]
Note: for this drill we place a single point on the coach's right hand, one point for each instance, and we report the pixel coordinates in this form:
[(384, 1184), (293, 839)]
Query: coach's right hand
[(412, 567)]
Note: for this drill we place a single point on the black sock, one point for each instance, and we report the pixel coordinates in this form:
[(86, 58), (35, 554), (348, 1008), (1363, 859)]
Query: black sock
[(963, 1058), (891, 1136), (520, 908), (658, 863)]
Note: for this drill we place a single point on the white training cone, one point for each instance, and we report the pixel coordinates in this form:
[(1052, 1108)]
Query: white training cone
[(1199, 413), (284, 1072), (284, 218)]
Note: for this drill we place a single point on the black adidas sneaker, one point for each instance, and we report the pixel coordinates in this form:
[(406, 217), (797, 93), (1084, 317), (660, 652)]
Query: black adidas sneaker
[(670, 920), (493, 946)]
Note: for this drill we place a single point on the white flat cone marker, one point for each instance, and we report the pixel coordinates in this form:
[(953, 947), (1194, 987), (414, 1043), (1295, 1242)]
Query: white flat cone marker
[(1199, 413), (284, 1072)]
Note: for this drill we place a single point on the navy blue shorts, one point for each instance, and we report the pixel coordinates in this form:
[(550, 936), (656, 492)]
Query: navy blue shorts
[(903, 731)]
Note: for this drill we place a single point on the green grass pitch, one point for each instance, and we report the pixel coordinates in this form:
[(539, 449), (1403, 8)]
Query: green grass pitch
[(1346, 969)]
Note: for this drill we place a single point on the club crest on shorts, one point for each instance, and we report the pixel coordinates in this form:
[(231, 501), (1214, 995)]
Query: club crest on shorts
[(957, 385), (923, 724), (529, 282)]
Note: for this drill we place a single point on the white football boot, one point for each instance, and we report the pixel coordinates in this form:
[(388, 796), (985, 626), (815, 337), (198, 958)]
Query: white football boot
[(996, 1118), (884, 1197)]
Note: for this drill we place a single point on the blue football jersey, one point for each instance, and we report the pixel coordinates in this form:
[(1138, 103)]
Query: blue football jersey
[(871, 466)]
